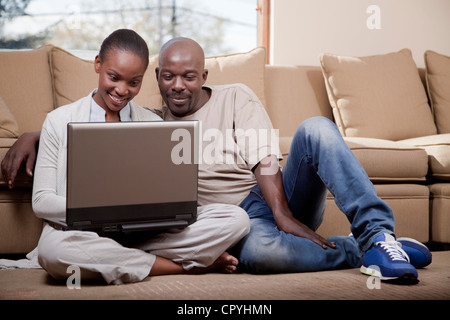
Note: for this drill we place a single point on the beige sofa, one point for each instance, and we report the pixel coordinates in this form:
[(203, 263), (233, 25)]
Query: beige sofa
[(398, 145)]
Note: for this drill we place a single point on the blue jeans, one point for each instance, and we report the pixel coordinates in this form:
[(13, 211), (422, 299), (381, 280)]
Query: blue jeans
[(319, 160)]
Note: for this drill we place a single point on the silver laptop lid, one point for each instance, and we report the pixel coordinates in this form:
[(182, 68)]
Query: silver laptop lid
[(131, 165)]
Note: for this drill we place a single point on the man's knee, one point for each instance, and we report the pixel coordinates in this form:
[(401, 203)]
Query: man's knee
[(315, 124), (317, 131)]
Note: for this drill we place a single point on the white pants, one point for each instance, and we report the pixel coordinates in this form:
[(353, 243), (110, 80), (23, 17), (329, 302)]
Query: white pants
[(218, 227)]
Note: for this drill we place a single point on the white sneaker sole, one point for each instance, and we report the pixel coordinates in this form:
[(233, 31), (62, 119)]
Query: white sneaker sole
[(374, 271)]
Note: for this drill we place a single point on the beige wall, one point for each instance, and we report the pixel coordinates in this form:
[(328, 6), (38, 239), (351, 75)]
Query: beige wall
[(302, 29)]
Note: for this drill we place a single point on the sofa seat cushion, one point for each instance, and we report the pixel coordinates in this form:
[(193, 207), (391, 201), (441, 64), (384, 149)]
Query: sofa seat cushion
[(383, 160), (440, 212), (438, 149), (379, 96), (20, 229), (389, 161), (409, 202)]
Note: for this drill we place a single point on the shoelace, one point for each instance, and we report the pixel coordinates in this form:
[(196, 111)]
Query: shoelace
[(394, 250)]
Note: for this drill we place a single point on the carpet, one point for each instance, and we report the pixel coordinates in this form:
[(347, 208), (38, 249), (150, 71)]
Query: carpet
[(347, 284)]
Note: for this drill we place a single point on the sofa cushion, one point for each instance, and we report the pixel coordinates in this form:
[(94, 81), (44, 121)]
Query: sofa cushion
[(438, 86), (26, 86), (74, 78), (438, 150), (247, 68), (440, 212), (378, 96), (389, 161), (20, 229), (409, 202), (8, 124), (383, 160)]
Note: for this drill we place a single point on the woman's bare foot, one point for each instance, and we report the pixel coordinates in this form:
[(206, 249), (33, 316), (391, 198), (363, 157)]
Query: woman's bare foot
[(226, 263)]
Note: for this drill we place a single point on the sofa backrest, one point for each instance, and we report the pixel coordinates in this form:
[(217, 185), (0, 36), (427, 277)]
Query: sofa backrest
[(74, 78), (294, 94), (32, 83)]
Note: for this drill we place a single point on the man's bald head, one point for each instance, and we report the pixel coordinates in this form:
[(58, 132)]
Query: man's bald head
[(183, 47)]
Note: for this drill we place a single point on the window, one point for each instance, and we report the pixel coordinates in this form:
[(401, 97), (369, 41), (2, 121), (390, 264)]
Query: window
[(220, 26), (263, 8)]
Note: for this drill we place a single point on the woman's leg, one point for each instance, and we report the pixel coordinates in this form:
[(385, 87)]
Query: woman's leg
[(96, 257)]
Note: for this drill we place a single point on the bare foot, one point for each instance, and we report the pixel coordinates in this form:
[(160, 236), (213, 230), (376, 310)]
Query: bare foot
[(226, 263)]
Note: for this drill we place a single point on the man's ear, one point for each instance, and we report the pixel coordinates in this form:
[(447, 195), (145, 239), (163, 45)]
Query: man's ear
[(157, 73), (205, 75), (97, 64)]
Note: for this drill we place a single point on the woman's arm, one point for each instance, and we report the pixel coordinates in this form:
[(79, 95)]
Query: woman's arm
[(48, 198), (270, 181)]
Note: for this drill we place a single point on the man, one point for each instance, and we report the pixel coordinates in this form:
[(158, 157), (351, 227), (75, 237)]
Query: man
[(285, 207)]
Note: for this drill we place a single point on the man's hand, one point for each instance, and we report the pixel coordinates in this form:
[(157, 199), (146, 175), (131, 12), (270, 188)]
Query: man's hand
[(270, 181), (23, 150), (287, 223)]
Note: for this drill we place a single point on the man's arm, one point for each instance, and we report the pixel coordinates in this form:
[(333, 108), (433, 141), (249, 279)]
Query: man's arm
[(23, 150), (270, 181)]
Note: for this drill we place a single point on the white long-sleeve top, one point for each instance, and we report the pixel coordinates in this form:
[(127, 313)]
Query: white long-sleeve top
[(49, 186)]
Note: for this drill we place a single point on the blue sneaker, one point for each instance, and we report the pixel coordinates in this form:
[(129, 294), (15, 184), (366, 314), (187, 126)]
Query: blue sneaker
[(387, 261), (419, 255)]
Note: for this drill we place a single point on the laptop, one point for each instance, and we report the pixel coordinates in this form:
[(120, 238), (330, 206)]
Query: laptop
[(131, 176)]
